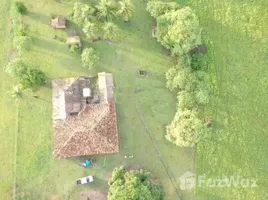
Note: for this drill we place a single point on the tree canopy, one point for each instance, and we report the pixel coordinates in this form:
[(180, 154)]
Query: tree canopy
[(185, 128), (32, 78), (177, 28), (110, 30), (106, 10), (126, 9), (133, 185)]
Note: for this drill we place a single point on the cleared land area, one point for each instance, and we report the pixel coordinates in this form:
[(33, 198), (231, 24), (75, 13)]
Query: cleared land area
[(237, 37), (39, 175)]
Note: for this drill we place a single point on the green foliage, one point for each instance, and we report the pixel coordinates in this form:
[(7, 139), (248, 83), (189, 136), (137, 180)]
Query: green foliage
[(22, 43), (177, 29), (199, 61), (157, 8), (91, 30), (126, 9), (106, 10), (186, 100), (75, 48), (15, 68), (82, 12), (89, 58), (132, 185), (20, 8), (32, 78), (110, 30), (184, 129)]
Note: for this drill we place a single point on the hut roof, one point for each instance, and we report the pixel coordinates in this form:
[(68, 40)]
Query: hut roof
[(58, 22)]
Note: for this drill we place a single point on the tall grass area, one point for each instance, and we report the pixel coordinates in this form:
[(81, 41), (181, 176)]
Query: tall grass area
[(236, 35), (39, 175)]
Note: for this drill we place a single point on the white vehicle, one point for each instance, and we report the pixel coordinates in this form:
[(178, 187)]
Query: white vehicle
[(84, 180)]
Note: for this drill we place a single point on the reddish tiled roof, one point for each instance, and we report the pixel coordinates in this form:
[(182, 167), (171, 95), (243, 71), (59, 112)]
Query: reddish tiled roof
[(92, 131)]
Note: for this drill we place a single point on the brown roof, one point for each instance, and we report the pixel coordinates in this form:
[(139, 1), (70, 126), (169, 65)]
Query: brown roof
[(92, 131), (58, 22)]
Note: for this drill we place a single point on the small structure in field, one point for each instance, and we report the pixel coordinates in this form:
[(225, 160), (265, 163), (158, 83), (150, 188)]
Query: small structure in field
[(84, 116), (74, 40), (59, 22)]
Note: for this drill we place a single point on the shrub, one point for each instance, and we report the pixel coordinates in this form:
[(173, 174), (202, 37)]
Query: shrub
[(20, 8), (75, 48), (22, 43), (199, 61), (89, 58), (184, 129), (15, 68), (157, 8)]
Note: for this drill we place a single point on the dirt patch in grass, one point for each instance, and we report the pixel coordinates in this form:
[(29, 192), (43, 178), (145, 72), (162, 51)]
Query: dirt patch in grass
[(93, 195)]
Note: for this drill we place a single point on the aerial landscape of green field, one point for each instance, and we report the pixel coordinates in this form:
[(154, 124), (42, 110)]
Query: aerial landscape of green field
[(235, 34)]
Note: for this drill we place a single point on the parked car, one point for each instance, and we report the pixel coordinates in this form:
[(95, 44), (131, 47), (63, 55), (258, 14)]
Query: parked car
[(84, 180)]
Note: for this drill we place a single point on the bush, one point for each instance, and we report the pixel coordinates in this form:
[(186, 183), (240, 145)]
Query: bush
[(20, 8), (199, 61), (22, 43), (75, 48), (157, 8), (184, 130), (15, 68), (89, 58)]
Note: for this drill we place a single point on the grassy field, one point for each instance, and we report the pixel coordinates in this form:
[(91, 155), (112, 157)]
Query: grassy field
[(38, 174), (237, 37)]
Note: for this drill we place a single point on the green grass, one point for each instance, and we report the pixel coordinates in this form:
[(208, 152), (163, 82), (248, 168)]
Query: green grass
[(236, 34), (39, 175)]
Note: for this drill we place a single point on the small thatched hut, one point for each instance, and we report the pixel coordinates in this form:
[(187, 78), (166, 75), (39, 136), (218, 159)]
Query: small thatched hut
[(58, 22)]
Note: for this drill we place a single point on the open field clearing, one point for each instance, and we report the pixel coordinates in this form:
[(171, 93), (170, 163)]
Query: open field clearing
[(236, 34)]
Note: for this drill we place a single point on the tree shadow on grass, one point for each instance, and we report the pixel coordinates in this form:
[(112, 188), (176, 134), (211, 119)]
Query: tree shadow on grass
[(44, 19)]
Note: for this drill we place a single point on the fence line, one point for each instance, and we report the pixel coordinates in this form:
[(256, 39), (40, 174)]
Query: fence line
[(161, 158)]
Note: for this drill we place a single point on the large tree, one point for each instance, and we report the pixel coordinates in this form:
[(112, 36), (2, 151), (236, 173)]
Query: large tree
[(185, 129), (177, 29), (32, 78), (106, 10), (126, 9), (133, 185)]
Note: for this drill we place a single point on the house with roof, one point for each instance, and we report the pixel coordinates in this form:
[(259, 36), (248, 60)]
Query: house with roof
[(84, 116)]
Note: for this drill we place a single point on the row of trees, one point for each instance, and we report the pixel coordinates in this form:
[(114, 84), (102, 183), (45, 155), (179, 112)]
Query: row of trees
[(178, 30), (96, 20), (27, 77), (130, 185)]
